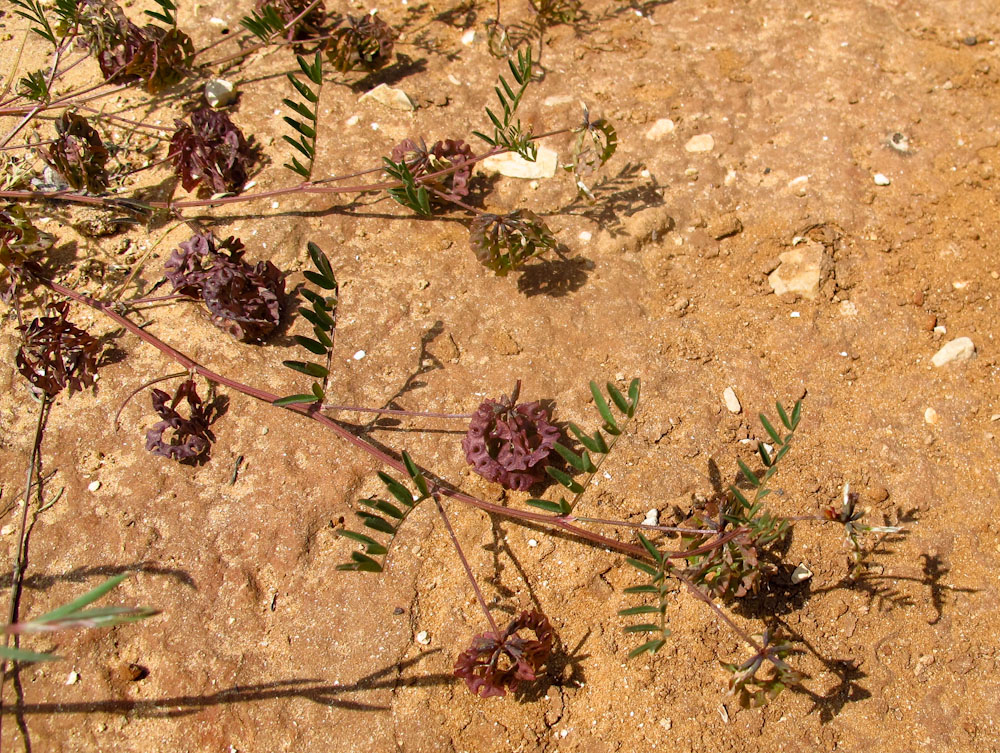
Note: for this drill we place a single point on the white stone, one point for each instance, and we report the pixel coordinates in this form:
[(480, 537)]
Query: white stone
[(585, 235), (73, 678), (94, 486), (801, 574), (558, 99), (958, 350), (732, 402), (469, 37), (532, 543), (359, 355), (800, 271), (395, 99), (881, 180), (513, 165), (848, 308), (423, 638), (659, 129), (219, 92), (931, 416), (353, 120), (703, 142), (652, 517)]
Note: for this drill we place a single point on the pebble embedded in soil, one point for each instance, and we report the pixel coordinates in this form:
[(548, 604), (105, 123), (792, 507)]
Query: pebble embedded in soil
[(881, 179), (703, 142), (959, 350), (423, 638), (800, 271), (395, 99), (73, 678), (725, 226), (652, 517), (931, 416), (659, 129), (219, 92), (359, 355), (732, 402), (801, 574), (94, 486)]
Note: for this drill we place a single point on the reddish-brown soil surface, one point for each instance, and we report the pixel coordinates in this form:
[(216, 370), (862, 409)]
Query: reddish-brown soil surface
[(263, 646)]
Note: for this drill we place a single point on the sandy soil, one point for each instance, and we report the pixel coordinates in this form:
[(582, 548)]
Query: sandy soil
[(263, 646)]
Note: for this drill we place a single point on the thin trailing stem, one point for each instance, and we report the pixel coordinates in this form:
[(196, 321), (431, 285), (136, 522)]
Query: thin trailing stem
[(17, 573), (311, 411), (465, 564)]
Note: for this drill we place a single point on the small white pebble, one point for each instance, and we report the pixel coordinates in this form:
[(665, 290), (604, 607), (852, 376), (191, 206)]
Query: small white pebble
[(801, 574), (732, 402), (532, 543), (455, 81), (216, 21), (645, 173), (941, 328), (795, 315), (249, 185), (277, 112), (931, 416), (960, 284), (374, 126), (359, 355), (94, 486), (881, 180), (585, 235), (353, 120), (73, 678), (275, 205), (7, 530), (423, 638), (652, 517), (469, 36)]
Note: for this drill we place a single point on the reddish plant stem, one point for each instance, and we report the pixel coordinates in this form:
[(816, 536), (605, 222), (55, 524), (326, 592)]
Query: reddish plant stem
[(465, 564), (310, 411)]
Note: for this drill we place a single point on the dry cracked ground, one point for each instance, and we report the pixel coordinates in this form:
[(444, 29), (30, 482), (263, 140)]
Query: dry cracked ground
[(848, 149)]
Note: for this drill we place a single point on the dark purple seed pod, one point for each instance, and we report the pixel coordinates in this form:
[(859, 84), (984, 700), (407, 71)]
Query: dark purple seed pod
[(509, 443)]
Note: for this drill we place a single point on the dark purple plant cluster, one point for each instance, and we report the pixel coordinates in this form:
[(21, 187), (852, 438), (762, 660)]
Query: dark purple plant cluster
[(444, 154), (496, 663), (211, 150), (78, 154), (244, 300), (363, 42), (510, 443), (186, 440), (503, 242), (155, 56), (56, 353)]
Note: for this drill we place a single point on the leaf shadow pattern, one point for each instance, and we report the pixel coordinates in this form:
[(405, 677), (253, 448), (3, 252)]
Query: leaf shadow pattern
[(847, 690), (403, 67), (41, 582), (563, 669), (617, 197), (555, 278), (309, 689)]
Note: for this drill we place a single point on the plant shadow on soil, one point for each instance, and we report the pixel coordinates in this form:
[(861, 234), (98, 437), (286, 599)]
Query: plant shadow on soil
[(310, 689)]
